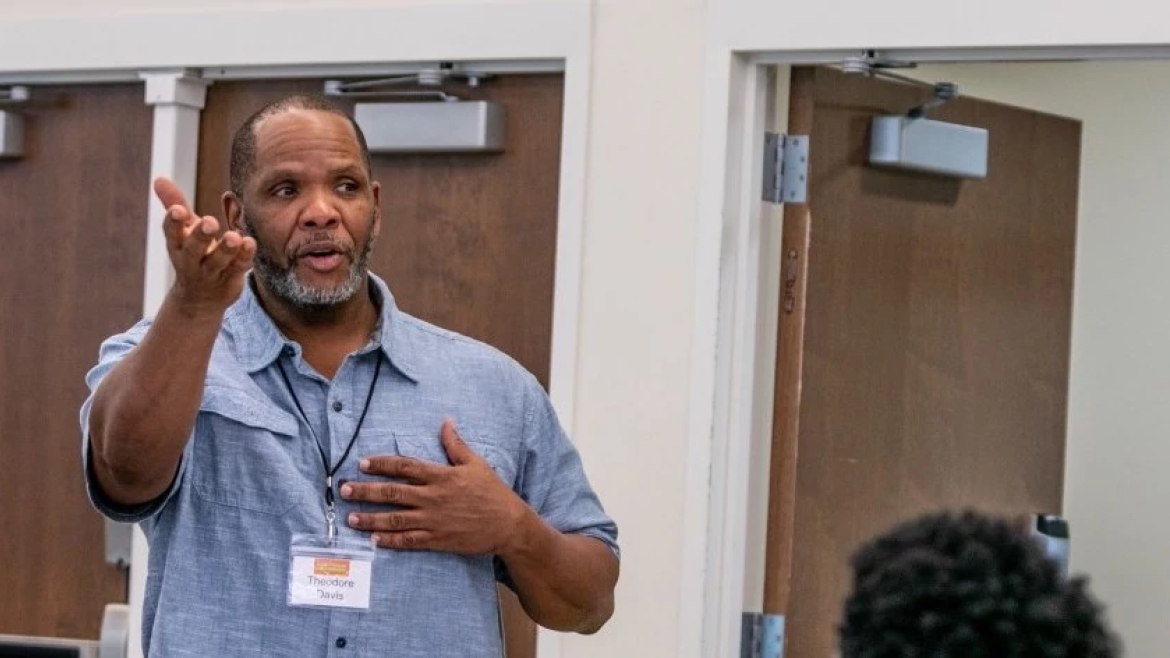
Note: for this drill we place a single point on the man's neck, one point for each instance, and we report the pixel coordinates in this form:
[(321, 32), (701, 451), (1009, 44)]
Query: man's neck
[(326, 335)]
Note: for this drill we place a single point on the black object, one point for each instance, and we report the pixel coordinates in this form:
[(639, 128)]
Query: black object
[(27, 651)]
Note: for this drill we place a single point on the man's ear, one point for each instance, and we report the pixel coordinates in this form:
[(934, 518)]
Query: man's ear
[(376, 188), (233, 212)]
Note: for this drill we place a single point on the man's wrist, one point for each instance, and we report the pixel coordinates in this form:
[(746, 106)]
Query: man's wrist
[(193, 310), (529, 538)]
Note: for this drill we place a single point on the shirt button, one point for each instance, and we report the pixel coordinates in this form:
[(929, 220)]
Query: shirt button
[(340, 643), (337, 406)]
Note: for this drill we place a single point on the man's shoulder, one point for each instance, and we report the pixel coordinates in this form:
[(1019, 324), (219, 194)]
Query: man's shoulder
[(435, 347), (118, 345), (133, 335)]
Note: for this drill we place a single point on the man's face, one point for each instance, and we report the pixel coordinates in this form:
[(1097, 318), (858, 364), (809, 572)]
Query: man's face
[(312, 208)]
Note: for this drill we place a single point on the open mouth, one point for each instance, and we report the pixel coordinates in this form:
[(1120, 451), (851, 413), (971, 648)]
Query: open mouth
[(322, 259)]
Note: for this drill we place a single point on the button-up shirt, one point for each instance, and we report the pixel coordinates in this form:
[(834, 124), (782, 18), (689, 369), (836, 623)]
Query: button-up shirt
[(251, 476)]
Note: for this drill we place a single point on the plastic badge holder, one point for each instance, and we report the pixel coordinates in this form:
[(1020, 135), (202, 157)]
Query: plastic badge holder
[(330, 573)]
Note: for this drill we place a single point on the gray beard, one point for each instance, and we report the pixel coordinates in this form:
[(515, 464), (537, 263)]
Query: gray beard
[(284, 283)]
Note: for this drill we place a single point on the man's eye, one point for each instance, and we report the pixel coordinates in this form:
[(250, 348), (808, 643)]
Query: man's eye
[(283, 191), (348, 186)]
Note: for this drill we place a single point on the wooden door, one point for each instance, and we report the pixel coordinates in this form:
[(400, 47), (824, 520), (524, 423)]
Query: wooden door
[(74, 211), (468, 241), (924, 332)]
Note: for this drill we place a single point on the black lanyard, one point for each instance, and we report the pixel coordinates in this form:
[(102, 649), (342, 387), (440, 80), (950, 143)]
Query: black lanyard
[(330, 516)]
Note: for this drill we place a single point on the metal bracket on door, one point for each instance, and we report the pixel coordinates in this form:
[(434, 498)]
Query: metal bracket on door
[(762, 637), (785, 168), (11, 123), (14, 94), (431, 79)]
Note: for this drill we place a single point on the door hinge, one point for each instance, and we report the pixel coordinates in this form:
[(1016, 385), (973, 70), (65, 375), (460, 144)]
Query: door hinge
[(763, 636), (785, 168)]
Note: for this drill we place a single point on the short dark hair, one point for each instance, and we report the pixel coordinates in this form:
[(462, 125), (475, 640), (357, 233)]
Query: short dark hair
[(967, 585), (243, 157)]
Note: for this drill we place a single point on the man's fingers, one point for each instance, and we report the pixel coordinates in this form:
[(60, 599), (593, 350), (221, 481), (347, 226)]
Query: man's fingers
[(389, 521), (200, 239), (404, 468), (411, 540), (223, 253), (179, 217), (243, 260), (169, 193), (385, 493), (207, 265), (176, 226)]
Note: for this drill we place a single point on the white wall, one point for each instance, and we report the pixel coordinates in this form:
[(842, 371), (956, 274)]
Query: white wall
[(1115, 483), (633, 387), (758, 25), (82, 8)]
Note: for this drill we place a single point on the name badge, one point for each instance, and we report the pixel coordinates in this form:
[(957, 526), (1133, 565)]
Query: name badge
[(330, 573)]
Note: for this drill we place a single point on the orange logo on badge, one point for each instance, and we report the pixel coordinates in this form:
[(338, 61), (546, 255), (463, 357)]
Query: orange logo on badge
[(325, 566)]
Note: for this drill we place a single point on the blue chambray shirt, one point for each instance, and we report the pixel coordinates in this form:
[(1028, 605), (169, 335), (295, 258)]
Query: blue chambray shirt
[(251, 476)]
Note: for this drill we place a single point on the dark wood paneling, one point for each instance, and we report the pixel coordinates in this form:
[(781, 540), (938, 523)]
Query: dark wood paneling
[(74, 211), (468, 241), (936, 337)]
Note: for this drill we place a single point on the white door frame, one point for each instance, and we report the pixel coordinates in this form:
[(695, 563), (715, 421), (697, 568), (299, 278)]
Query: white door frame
[(733, 270), (159, 48)]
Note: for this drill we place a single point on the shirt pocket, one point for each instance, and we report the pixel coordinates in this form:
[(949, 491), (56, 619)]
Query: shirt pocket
[(430, 448), (242, 457)]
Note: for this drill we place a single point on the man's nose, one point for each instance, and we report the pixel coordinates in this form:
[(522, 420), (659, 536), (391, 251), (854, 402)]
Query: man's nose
[(320, 211)]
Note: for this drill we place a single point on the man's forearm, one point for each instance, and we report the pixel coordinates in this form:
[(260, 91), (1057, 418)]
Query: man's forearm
[(145, 408), (565, 582)]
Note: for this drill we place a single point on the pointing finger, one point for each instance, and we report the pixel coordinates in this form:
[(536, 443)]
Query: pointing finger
[(175, 227), (169, 193), (201, 237)]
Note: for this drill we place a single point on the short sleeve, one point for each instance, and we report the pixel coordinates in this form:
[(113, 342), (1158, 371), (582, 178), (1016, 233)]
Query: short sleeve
[(552, 476), (112, 351)]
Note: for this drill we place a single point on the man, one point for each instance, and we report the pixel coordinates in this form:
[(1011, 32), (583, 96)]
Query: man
[(967, 586), (280, 418)]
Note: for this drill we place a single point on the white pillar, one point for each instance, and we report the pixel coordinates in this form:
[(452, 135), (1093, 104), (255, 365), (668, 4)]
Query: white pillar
[(177, 97)]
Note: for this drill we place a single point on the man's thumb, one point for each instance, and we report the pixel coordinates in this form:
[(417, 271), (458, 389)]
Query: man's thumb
[(457, 450)]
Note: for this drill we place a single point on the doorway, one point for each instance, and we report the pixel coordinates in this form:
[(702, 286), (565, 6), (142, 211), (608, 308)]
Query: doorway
[(1110, 420)]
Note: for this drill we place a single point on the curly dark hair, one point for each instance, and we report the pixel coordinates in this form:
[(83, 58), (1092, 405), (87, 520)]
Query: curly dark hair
[(967, 585)]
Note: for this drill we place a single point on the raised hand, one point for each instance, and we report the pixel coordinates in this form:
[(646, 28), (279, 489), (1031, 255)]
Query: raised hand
[(209, 269)]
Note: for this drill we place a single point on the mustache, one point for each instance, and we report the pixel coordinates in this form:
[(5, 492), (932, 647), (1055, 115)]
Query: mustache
[(320, 241)]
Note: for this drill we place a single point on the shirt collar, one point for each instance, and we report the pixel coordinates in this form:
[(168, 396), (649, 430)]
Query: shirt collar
[(257, 342)]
